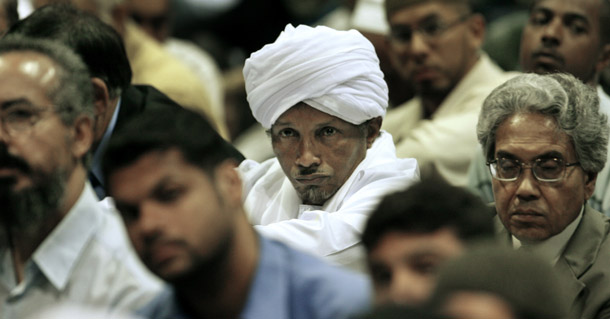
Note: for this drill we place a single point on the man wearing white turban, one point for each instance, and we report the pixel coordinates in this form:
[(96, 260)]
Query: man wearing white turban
[(321, 95)]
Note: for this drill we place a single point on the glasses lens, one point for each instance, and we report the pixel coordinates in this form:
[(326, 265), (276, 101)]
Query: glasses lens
[(507, 168), (548, 169), (401, 34)]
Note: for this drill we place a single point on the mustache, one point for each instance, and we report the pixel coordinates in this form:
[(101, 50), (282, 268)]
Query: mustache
[(308, 170), (10, 161)]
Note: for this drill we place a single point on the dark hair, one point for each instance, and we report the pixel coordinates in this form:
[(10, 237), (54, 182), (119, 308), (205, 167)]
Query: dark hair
[(96, 42), (11, 12), (426, 207), (165, 129)]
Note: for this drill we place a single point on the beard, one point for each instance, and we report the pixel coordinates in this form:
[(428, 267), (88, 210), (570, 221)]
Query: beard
[(27, 210), (314, 195)]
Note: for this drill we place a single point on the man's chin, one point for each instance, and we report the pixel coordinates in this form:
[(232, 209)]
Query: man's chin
[(314, 195)]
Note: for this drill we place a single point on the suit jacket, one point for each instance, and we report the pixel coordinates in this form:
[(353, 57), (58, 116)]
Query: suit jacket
[(138, 98), (584, 266)]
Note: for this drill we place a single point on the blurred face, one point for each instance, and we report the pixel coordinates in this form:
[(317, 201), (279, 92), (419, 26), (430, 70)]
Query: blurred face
[(152, 16), (38, 152), (477, 305), (564, 36), (435, 45), (318, 152), (529, 209), (404, 265), (176, 216)]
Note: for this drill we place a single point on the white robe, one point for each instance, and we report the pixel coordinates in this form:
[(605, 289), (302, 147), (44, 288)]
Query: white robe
[(334, 230)]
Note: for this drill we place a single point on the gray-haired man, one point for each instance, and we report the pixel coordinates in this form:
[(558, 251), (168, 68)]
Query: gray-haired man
[(545, 141)]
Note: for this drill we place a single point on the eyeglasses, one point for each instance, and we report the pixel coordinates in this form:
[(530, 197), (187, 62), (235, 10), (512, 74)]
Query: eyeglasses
[(21, 117), (548, 170), (429, 30)]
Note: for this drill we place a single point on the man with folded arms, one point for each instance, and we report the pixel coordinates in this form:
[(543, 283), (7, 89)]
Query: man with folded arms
[(321, 95)]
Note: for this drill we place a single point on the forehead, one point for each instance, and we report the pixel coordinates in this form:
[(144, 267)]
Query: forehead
[(26, 72), (443, 241), (305, 115), (585, 9), (424, 10), (528, 135)]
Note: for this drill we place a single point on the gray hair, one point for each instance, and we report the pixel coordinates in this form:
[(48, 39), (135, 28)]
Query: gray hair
[(72, 94), (573, 105)]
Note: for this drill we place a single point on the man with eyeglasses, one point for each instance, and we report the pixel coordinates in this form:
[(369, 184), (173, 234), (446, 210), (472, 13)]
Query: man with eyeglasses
[(437, 46), (545, 141), (56, 242)]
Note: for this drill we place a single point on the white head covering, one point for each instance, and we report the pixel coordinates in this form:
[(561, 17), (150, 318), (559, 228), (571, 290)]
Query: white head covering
[(336, 72)]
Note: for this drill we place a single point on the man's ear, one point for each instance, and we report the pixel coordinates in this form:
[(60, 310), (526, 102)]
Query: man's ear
[(101, 103), (228, 182), (604, 58), (373, 127), (83, 136), (590, 179), (476, 26)]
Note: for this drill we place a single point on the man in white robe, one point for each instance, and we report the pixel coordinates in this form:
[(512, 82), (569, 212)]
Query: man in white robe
[(322, 96)]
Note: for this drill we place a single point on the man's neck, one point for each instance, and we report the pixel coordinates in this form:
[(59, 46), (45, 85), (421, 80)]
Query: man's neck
[(431, 103), (223, 292)]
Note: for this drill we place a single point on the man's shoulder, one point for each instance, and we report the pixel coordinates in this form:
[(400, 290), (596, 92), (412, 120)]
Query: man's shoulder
[(329, 291)]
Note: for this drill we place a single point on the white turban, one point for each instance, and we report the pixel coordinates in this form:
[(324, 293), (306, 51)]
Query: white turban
[(336, 72)]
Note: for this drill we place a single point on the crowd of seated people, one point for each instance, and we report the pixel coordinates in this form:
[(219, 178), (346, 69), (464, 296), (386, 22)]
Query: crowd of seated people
[(352, 159)]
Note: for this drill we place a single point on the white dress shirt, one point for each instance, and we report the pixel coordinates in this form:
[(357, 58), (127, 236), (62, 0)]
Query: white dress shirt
[(86, 259)]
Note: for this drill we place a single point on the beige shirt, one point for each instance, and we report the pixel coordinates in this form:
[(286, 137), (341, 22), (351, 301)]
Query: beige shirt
[(447, 141)]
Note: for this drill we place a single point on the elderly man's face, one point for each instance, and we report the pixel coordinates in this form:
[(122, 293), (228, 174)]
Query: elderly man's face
[(435, 45), (529, 209), (564, 36), (38, 152), (177, 216), (317, 151)]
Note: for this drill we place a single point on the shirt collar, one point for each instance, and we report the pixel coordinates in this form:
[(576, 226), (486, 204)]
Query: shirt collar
[(96, 163), (552, 248), (60, 251)]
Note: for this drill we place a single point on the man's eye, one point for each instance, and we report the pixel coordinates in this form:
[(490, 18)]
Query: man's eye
[(287, 132), (539, 19), (328, 131), (381, 276), (129, 213), (577, 28), (19, 115), (169, 195), (549, 164), (425, 268), (430, 29)]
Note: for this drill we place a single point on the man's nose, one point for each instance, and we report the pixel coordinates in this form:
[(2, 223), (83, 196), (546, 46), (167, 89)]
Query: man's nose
[(308, 153), (419, 47), (552, 33), (408, 289), (528, 187)]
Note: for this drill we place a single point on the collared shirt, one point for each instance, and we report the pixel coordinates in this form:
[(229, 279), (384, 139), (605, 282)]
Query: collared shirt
[(551, 248), (289, 285), (96, 163), (85, 259), (333, 231)]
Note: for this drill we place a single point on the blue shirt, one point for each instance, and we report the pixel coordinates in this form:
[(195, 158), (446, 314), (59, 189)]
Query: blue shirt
[(97, 179), (288, 284)]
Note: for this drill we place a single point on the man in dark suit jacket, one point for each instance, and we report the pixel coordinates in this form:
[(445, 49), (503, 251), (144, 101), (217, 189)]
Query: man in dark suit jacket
[(102, 50), (545, 141)]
